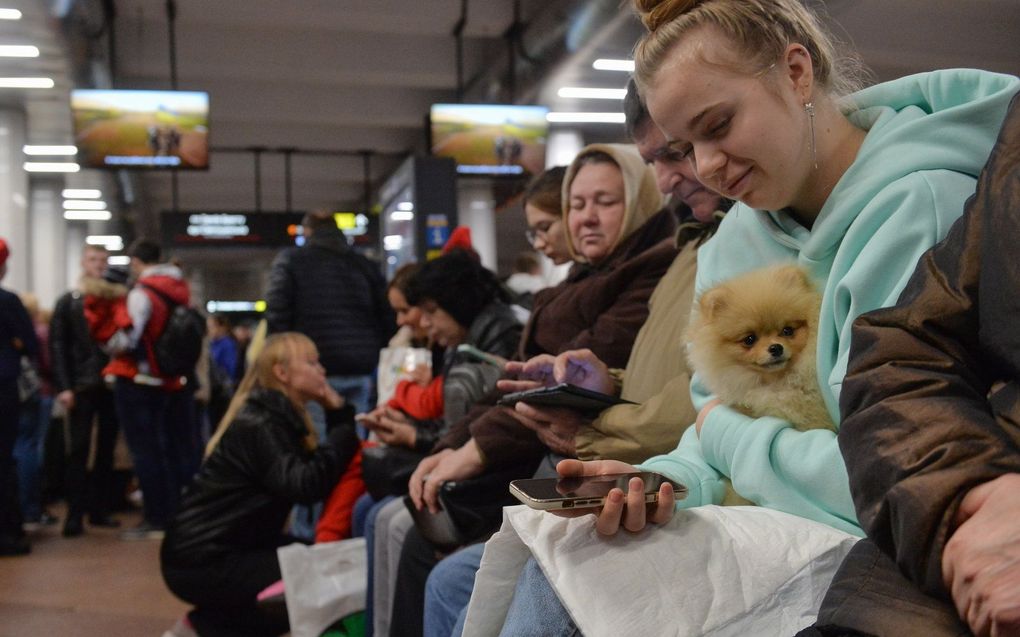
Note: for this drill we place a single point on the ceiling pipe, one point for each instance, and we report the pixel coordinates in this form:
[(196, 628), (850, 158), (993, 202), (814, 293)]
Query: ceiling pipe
[(458, 35)]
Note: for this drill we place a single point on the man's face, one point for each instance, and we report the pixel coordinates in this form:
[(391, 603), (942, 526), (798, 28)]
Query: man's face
[(675, 175), (93, 262)]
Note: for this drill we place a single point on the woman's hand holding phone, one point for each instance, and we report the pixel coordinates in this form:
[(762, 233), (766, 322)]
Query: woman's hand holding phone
[(579, 367), (555, 427), (621, 509)]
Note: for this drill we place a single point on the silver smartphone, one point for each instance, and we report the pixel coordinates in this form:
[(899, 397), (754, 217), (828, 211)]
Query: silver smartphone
[(587, 491)]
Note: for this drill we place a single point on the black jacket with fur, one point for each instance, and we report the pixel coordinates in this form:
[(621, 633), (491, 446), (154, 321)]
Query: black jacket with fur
[(76, 359)]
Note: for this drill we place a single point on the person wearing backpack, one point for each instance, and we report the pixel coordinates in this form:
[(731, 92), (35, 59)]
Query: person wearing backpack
[(154, 353)]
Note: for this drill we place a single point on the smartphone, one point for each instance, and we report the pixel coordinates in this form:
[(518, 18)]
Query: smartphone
[(564, 395), (473, 352), (587, 491)]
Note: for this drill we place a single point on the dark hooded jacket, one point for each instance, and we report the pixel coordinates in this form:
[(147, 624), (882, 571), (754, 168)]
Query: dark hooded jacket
[(334, 296)]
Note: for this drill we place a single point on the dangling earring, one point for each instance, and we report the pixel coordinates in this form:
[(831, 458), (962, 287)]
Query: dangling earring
[(809, 108)]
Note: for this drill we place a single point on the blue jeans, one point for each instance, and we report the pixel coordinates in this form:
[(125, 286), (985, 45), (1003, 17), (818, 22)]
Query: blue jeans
[(357, 391), (28, 450), (536, 611), (163, 439), (448, 591)]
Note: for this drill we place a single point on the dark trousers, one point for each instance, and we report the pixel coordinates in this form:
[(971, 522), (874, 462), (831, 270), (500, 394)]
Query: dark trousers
[(90, 491), (10, 507), (223, 592), (160, 432), (417, 559)]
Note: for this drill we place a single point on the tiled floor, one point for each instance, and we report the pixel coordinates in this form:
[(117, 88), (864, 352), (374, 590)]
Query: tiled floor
[(91, 586)]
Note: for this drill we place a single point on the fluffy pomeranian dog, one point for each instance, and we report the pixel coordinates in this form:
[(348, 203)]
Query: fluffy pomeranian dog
[(752, 341)]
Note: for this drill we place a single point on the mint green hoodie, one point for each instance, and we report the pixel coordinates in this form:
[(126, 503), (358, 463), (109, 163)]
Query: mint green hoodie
[(928, 137)]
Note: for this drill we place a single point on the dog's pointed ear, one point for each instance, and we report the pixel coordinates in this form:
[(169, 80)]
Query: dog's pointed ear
[(794, 276), (713, 301)]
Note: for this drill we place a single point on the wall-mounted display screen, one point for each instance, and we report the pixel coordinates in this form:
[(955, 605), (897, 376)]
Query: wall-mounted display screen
[(490, 139), (141, 129)]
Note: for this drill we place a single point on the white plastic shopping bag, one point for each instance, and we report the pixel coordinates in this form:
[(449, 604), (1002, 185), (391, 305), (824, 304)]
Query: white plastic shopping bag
[(721, 571), (323, 583), (396, 364)]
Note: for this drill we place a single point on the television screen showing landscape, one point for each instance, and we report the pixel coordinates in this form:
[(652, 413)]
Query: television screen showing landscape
[(141, 129), (490, 139)]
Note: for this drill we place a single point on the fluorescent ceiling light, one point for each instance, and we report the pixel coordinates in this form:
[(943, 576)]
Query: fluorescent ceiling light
[(401, 215), (88, 215), (592, 93), (586, 118), (18, 51), (405, 205), (84, 204), (30, 149), (51, 167), (608, 64), (26, 82), (81, 193), (10, 14), (111, 242), (119, 260), (393, 242)]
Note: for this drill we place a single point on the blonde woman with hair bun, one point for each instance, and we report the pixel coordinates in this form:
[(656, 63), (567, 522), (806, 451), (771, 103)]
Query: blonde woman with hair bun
[(853, 185), (220, 549)]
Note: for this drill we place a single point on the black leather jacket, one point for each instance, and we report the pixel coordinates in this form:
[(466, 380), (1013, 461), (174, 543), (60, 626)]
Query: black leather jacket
[(245, 489), (334, 296), (76, 359)]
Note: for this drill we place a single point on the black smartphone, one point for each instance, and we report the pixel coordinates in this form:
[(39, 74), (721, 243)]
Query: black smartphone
[(564, 395), (587, 491)]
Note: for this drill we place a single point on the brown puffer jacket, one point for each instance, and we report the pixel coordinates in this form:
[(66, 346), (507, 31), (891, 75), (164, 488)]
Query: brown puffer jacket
[(931, 400), (599, 308)]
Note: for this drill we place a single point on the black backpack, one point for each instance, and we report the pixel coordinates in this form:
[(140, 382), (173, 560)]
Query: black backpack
[(179, 346)]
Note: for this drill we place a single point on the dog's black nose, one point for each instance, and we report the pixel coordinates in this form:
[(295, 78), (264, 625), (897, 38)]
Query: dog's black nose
[(776, 350)]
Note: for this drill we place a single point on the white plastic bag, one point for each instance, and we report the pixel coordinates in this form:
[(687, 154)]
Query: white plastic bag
[(323, 583), (721, 571), (396, 364)]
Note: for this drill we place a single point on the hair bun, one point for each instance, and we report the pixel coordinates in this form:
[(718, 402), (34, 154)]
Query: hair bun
[(655, 13)]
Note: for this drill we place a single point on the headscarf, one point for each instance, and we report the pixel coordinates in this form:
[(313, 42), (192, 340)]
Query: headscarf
[(642, 198)]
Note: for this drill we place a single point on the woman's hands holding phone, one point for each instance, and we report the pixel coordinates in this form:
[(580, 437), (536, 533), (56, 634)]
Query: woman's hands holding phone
[(621, 509), (391, 426), (579, 367)]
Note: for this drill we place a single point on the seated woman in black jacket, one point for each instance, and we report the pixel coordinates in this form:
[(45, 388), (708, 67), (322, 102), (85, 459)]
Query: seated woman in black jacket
[(220, 549)]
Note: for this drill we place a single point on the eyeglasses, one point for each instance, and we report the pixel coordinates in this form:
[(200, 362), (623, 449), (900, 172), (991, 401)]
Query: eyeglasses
[(539, 230)]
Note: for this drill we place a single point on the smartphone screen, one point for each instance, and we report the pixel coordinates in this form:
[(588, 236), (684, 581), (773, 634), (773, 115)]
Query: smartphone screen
[(587, 491)]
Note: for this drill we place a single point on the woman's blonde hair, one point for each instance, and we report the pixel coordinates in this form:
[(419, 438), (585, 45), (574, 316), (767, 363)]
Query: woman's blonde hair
[(279, 349), (761, 29)]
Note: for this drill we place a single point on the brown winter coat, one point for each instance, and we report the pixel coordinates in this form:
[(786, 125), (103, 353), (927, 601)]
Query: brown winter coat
[(931, 400)]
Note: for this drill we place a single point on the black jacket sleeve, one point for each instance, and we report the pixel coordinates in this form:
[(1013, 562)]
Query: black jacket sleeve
[(279, 295), (302, 476), (60, 344)]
